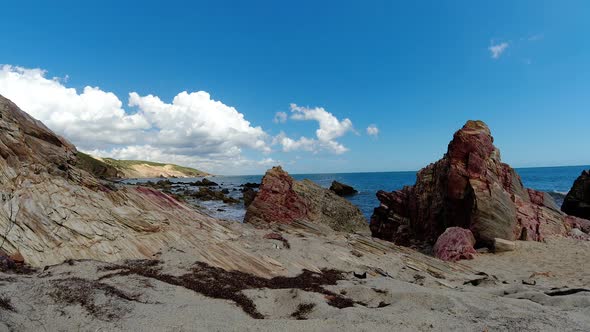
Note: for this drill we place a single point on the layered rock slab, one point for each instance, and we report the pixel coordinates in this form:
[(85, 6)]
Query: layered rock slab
[(470, 188), (51, 210), (282, 200)]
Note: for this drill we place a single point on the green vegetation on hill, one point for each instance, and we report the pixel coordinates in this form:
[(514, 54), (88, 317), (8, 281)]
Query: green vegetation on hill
[(96, 167), (113, 168)]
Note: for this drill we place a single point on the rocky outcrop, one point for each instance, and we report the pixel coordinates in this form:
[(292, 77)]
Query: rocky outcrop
[(51, 210), (469, 188), (283, 200), (342, 189), (454, 244), (577, 200)]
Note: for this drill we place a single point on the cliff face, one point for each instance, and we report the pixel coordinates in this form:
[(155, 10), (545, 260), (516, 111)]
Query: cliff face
[(469, 188), (51, 210)]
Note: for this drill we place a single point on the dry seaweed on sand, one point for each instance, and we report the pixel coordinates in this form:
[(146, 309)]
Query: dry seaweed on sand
[(83, 292), (6, 303), (303, 310), (218, 283)]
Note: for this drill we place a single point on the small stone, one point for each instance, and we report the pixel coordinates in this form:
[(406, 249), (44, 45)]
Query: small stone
[(529, 282), (482, 250), (501, 245)]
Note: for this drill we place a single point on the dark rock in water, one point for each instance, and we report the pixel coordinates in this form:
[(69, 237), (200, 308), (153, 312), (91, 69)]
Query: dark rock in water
[(250, 185), (469, 188), (454, 244), (577, 200), (283, 200), (162, 185), (342, 189), (248, 194), (225, 191), (203, 183), (207, 194)]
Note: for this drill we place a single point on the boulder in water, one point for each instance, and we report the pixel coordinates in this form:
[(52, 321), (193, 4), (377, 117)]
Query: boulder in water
[(342, 189)]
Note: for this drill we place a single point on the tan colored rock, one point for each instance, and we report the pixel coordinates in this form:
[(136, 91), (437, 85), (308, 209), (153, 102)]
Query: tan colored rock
[(501, 245), (51, 211)]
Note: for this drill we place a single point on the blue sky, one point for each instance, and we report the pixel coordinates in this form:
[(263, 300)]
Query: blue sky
[(416, 70)]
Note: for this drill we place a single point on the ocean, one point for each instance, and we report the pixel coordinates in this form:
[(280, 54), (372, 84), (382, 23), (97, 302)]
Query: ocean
[(555, 180)]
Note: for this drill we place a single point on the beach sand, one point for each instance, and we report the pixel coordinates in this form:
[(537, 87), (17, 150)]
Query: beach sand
[(403, 290)]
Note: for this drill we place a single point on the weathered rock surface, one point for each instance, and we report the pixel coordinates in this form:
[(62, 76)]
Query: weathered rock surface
[(454, 244), (342, 189), (51, 210), (577, 200), (283, 200), (470, 188)]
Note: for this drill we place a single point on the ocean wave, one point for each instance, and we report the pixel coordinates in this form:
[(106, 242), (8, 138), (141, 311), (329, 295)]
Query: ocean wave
[(557, 193)]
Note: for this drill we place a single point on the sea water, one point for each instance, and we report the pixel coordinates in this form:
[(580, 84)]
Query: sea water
[(557, 181)]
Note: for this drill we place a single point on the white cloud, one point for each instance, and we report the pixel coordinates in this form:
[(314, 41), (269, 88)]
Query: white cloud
[(498, 49), (372, 130), (330, 128), (193, 130), (280, 117)]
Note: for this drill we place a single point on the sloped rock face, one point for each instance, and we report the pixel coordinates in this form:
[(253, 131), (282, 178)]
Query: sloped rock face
[(577, 200), (469, 188), (283, 200), (454, 244), (51, 210)]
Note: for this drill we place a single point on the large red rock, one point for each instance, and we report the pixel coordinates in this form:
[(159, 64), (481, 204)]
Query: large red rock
[(282, 200), (277, 201), (469, 188), (454, 244)]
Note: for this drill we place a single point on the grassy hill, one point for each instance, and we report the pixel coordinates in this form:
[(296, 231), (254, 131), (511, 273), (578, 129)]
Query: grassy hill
[(113, 168)]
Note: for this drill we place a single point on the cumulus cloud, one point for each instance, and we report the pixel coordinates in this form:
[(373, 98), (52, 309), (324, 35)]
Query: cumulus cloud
[(497, 49), (280, 117), (193, 129), (330, 128), (372, 130)]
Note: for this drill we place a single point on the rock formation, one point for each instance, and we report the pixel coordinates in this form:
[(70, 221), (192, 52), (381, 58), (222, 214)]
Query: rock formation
[(469, 188), (454, 244), (577, 200), (283, 200), (342, 189), (51, 210)]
